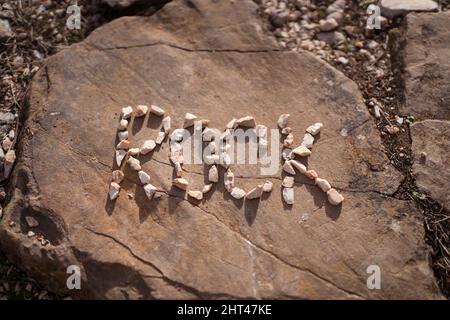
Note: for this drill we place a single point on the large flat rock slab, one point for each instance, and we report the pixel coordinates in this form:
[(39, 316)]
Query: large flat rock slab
[(426, 58), (431, 148), (394, 8), (213, 59)]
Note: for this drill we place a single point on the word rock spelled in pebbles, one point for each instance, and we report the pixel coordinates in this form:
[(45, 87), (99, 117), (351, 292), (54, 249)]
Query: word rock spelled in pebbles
[(289, 141)]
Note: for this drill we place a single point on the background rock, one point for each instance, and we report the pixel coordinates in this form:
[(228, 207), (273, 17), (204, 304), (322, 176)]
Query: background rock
[(394, 8), (432, 169), (426, 58), (212, 59)]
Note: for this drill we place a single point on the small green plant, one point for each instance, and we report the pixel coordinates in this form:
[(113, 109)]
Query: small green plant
[(418, 196), (410, 120)]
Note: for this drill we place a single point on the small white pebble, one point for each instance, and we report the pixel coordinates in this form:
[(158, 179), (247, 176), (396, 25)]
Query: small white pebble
[(114, 189), (160, 137), (289, 141), (213, 174), (166, 124), (308, 140), (198, 195), (323, 184), (207, 188), (212, 159), (150, 191), (288, 182), (231, 124), (287, 167), (124, 145), (122, 135), (237, 193), (286, 131), (117, 176), (134, 163), (189, 120), (302, 151), (123, 124), (267, 186), (315, 128), (144, 177), (148, 146), (255, 193), (287, 154), (141, 110), (228, 180), (299, 166), (134, 151), (180, 183), (283, 120), (156, 110), (126, 112), (288, 195), (120, 154), (334, 197), (247, 122)]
